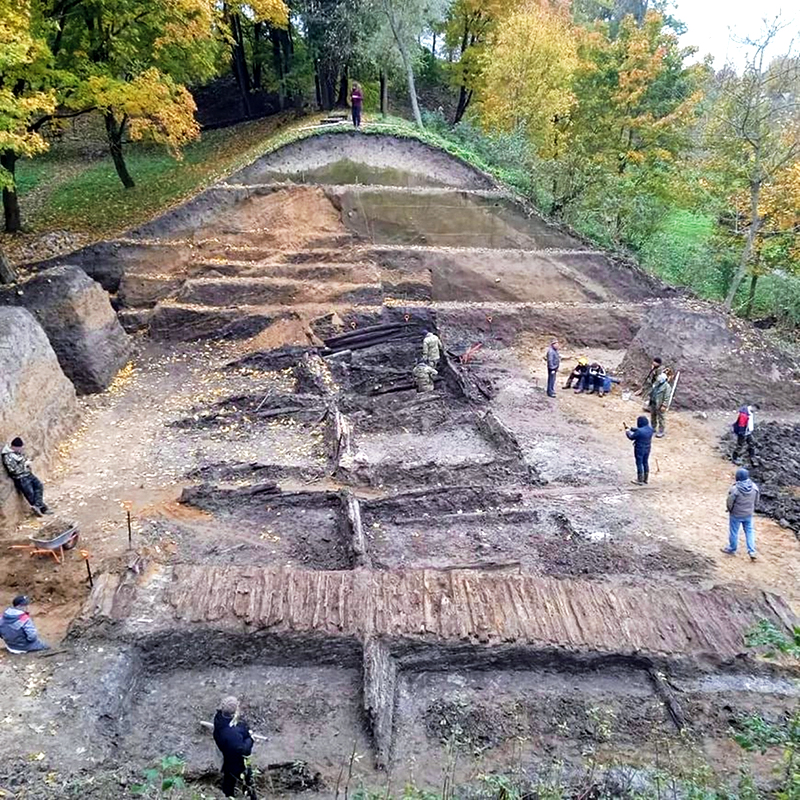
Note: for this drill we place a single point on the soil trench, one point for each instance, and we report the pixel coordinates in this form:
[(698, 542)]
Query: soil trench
[(397, 584)]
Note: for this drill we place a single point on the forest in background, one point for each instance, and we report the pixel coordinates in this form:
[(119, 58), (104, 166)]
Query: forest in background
[(593, 110)]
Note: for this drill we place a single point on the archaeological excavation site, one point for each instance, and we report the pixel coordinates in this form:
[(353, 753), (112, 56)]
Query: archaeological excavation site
[(430, 589)]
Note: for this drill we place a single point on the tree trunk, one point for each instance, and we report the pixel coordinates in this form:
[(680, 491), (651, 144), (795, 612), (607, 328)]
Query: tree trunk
[(278, 63), (752, 232), (317, 84), (341, 100), (115, 133), (751, 295), (239, 64), (409, 67), (258, 56), (464, 97), (384, 93), (8, 158), (7, 272)]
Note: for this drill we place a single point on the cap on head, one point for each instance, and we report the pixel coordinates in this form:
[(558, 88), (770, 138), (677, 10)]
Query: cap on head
[(742, 474), (229, 705), (17, 442), (657, 360), (21, 600), (642, 422)]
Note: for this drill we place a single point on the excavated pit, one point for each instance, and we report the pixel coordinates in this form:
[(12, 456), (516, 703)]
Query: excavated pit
[(460, 580)]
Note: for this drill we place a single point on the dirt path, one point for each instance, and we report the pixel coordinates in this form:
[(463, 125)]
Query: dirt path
[(689, 479)]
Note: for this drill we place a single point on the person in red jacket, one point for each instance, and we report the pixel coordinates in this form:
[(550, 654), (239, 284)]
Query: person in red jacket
[(356, 100)]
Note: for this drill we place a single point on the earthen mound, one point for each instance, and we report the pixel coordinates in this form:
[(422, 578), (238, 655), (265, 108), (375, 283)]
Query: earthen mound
[(723, 362), (37, 402), (80, 323)]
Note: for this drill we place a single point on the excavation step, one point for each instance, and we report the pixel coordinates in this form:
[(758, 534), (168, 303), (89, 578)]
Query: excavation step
[(489, 609), (277, 291)]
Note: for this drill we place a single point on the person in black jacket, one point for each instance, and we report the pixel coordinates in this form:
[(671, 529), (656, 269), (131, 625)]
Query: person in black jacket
[(642, 438), (232, 737)]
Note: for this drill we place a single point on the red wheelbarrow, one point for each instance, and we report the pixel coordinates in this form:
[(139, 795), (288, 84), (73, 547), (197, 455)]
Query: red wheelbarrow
[(55, 546)]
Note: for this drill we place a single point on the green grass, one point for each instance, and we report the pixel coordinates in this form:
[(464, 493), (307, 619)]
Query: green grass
[(65, 193)]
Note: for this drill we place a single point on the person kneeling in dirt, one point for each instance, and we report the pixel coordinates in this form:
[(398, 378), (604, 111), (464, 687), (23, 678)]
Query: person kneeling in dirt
[(659, 397), (423, 376), (233, 739), (743, 428), (596, 379), (17, 629), (431, 349), (741, 503), (578, 375), (642, 438), (19, 470)]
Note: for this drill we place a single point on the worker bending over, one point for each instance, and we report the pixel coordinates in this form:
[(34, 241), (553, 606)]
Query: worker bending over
[(423, 376), (17, 629)]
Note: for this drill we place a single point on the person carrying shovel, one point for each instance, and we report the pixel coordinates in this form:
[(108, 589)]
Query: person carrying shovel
[(234, 740)]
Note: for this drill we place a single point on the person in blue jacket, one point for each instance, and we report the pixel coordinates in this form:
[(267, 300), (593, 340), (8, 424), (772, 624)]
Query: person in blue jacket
[(232, 737), (17, 629), (642, 438)]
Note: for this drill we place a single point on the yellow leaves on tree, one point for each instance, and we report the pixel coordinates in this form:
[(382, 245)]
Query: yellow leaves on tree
[(274, 12), (527, 74), (20, 54), (638, 101), (779, 206), (153, 106)]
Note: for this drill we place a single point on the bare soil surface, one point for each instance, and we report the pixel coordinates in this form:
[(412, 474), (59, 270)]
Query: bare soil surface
[(401, 586)]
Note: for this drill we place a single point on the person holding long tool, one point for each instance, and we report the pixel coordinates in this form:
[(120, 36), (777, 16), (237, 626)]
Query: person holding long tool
[(660, 396), (234, 740)]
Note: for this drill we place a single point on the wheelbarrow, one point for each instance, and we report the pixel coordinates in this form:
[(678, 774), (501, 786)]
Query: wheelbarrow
[(55, 547)]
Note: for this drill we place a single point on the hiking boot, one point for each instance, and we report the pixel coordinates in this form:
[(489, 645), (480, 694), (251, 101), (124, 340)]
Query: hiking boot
[(45, 509), (728, 551), (38, 511), (646, 477)]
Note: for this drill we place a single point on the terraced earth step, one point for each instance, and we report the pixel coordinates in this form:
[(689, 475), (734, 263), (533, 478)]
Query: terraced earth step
[(274, 291), (455, 607)]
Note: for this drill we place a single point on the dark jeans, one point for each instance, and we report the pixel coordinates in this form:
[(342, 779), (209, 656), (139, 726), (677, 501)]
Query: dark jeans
[(742, 441), (31, 489), (551, 381), (642, 461), (357, 115)]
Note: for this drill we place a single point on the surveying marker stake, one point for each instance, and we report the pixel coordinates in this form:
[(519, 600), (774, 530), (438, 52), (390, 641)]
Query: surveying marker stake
[(85, 555)]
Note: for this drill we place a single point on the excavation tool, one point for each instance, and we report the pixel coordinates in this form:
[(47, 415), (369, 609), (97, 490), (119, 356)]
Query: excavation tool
[(672, 391), (54, 546)]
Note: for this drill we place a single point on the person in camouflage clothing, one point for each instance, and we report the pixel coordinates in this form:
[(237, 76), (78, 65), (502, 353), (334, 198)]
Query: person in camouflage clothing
[(431, 349), (659, 397), (423, 376), (19, 470)]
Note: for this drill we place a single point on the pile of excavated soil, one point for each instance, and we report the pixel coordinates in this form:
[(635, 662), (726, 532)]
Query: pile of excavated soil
[(287, 331)]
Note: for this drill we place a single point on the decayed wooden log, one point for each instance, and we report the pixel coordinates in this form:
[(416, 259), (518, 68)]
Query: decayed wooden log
[(380, 679)]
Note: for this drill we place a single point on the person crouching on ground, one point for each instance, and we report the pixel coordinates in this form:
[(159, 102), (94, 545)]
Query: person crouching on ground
[(17, 629), (19, 470), (642, 438), (741, 502), (596, 379), (233, 739), (578, 375), (423, 376)]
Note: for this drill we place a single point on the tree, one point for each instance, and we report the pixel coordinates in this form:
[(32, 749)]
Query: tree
[(407, 19), (755, 132), (468, 32), (25, 62), (255, 15), (130, 58), (528, 73)]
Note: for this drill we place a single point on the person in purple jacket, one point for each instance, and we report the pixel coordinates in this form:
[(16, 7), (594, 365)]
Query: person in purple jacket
[(356, 101)]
